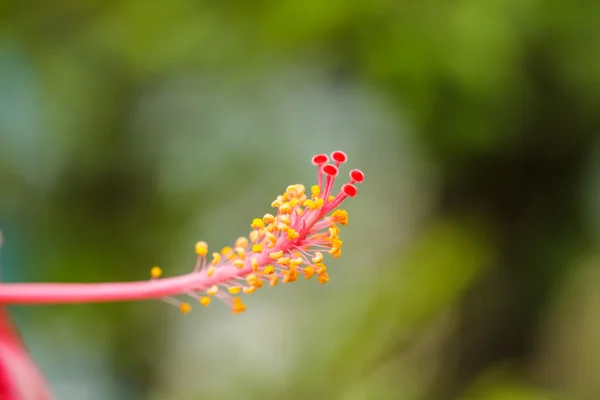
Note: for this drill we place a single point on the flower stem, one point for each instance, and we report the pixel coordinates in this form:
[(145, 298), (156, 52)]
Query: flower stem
[(62, 293)]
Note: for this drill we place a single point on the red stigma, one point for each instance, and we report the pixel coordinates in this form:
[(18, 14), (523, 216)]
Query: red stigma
[(357, 175), (349, 190), (330, 170), (319, 159), (339, 157)]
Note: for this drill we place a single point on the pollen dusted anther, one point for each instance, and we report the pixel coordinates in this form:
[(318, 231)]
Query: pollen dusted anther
[(281, 246)]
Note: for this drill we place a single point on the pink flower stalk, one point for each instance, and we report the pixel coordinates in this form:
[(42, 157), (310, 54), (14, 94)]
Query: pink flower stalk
[(20, 379), (281, 247)]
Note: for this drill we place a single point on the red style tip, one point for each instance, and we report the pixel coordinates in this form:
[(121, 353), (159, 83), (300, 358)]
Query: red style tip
[(349, 190), (319, 159), (330, 170), (339, 157), (357, 175)]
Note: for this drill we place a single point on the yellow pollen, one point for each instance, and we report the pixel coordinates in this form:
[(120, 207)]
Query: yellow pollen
[(156, 272), (241, 242), (296, 261), (318, 257), (252, 280), (319, 203), (272, 238), (254, 236), (268, 219), (241, 252), (323, 278), (216, 258), (238, 306), (299, 211), (249, 289), (321, 268), (309, 203), (283, 261), (282, 227), (204, 300), (285, 219), (277, 203), (332, 233), (292, 234), (257, 248), (257, 223), (337, 253), (285, 208), (293, 202), (239, 264), (201, 249), (185, 308), (226, 251), (234, 289), (330, 198), (273, 281), (269, 269), (210, 271), (213, 290), (309, 272), (276, 254), (272, 228), (315, 191), (340, 216)]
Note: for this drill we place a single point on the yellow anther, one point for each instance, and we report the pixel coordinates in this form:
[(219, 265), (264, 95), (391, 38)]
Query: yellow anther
[(254, 265), (309, 272), (268, 219), (292, 234), (332, 233), (340, 216), (272, 238), (238, 306), (323, 278), (257, 248), (252, 279), (239, 264), (210, 271), (226, 251), (278, 202), (258, 285), (330, 198), (257, 223), (216, 258), (249, 289), (296, 261), (282, 227), (321, 268), (309, 203), (204, 300), (337, 253), (276, 254), (273, 281), (254, 236), (299, 211), (283, 261), (319, 203), (285, 219), (241, 252), (185, 308), (235, 289), (156, 272), (241, 242), (201, 249), (285, 208), (293, 202), (269, 269), (213, 290), (272, 228), (271, 245), (315, 191), (318, 257)]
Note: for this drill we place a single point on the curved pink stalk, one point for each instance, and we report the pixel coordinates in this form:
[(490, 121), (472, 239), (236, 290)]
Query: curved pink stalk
[(279, 248)]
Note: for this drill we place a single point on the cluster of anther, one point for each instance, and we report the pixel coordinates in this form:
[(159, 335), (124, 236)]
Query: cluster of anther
[(282, 246)]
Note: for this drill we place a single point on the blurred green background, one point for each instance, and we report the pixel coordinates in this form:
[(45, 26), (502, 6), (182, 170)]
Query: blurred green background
[(129, 130)]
